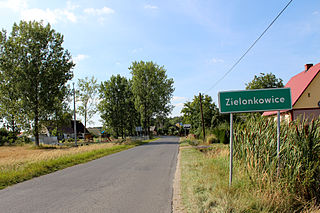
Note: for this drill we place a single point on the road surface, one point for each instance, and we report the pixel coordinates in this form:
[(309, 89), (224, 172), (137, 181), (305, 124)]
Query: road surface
[(136, 180)]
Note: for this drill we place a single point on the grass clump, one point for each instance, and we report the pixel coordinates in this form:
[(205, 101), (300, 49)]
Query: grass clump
[(212, 139)]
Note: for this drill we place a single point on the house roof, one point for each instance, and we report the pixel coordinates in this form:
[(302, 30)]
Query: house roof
[(299, 84), (95, 130)]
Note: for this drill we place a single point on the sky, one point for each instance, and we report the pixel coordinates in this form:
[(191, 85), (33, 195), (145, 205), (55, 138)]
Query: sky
[(197, 41)]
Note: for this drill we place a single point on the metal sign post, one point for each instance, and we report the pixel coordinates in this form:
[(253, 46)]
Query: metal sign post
[(231, 150), (254, 101), (278, 142)]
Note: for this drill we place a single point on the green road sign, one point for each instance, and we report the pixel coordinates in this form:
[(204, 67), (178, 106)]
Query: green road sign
[(255, 100)]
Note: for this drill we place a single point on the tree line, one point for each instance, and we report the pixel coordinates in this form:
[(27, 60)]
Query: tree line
[(34, 73)]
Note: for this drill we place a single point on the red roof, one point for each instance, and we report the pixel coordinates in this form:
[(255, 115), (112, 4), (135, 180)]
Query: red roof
[(298, 84)]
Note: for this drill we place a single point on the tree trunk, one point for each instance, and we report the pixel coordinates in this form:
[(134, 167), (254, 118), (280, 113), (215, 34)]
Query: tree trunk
[(145, 120), (36, 127), (148, 124), (85, 122)]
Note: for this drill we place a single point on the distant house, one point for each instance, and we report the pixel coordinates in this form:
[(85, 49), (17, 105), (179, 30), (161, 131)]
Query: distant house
[(67, 130), (305, 94), (96, 131)]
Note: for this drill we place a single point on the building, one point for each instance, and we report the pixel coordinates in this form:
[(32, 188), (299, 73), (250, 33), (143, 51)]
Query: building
[(67, 130), (305, 94)]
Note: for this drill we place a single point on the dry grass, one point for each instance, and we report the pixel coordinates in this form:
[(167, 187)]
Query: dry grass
[(17, 156)]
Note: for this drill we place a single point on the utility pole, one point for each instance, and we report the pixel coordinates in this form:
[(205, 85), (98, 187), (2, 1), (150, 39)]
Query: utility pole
[(204, 132), (74, 116)]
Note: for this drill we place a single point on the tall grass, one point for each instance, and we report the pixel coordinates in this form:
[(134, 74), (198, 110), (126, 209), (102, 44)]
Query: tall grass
[(256, 149)]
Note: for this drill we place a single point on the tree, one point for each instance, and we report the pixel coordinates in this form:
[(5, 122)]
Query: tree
[(152, 90), (268, 80), (34, 62), (117, 106), (87, 91), (9, 99), (191, 113)]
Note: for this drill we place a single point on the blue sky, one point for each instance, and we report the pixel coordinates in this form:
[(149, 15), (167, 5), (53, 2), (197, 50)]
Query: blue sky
[(196, 41)]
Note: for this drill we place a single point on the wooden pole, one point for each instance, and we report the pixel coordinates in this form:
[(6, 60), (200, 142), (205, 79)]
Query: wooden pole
[(203, 129)]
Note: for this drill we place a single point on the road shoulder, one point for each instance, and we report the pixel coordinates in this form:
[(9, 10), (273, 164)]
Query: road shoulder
[(177, 206)]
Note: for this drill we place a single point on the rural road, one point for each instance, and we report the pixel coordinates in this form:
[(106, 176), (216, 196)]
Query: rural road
[(136, 180)]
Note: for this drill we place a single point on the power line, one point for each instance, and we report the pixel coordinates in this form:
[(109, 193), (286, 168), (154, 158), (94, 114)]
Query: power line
[(246, 52)]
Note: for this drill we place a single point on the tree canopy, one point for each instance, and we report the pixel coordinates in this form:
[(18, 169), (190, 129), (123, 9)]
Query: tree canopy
[(117, 106), (262, 81), (152, 90), (87, 92), (191, 112), (34, 63)]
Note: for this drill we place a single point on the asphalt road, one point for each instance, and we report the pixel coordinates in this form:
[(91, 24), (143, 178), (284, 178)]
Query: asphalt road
[(136, 180)]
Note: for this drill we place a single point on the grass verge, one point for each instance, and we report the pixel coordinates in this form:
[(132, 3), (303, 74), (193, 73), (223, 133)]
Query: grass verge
[(204, 185), (32, 166)]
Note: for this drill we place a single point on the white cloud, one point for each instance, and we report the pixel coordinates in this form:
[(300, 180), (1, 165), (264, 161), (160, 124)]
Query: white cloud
[(47, 15), (98, 12), (72, 6), (215, 60), (80, 57), (152, 7), (316, 13), (53, 16), (176, 98), (15, 5)]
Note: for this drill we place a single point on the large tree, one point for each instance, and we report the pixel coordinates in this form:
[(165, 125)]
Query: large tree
[(10, 102), (152, 90), (192, 115), (263, 81), (87, 91), (35, 63), (117, 106)]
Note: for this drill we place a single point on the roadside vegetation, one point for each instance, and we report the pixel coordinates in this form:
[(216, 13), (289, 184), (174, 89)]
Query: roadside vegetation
[(256, 186), (20, 163)]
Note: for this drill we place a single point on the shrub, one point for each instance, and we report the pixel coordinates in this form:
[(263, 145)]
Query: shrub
[(193, 142), (212, 139), (3, 136), (7, 137), (23, 140), (222, 133), (70, 140)]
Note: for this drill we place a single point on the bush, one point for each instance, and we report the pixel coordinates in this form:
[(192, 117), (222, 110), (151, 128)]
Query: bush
[(23, 140), (7, 137), (222, 133), (70, 140), (212, 139), (193, 142)]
